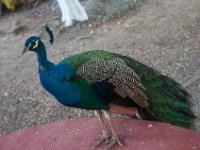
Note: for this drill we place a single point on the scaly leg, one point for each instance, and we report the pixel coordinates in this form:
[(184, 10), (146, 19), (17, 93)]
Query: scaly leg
[(115, 138), (105, 136)]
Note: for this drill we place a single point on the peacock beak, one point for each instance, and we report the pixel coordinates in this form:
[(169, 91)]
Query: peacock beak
[(25, 50)]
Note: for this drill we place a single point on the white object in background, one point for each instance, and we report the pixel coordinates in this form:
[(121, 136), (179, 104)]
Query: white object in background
[(72, 10)]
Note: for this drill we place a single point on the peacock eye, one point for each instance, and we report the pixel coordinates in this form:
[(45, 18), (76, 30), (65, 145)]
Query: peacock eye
[(35, 44)]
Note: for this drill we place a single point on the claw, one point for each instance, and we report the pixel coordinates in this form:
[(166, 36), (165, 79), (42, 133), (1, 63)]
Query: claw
[(114, 140), (104, 138)]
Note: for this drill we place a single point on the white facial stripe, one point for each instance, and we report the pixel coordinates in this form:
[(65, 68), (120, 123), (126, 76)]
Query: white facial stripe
[(36, 44), (29, 46)]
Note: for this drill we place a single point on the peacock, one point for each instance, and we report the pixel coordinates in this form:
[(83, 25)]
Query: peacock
[(112, 83), (72, 10)]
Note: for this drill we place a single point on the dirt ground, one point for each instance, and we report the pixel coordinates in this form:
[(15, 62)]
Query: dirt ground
[(164, 34)]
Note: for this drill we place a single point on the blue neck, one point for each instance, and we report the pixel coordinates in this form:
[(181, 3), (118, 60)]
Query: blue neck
[(42, 57)]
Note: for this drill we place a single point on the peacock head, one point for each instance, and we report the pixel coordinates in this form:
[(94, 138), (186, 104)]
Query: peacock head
[(35, 44)]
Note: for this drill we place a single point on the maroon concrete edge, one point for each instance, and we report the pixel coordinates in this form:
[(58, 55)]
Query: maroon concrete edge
[(81, 133)]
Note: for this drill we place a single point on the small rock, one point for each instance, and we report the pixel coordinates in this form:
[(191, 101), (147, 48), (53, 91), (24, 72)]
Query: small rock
[(150, 125), (91, 32), (6, 94)]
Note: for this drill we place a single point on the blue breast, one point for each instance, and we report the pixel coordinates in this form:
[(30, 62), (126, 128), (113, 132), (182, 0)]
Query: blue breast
[(55, 79)]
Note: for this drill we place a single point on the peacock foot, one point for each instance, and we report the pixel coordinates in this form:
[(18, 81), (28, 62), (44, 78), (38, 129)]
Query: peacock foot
[(104, 138), (114, 140), (108, 138)]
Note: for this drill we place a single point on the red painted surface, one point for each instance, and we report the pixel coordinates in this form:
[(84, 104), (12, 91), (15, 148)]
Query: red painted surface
[(80, 134)]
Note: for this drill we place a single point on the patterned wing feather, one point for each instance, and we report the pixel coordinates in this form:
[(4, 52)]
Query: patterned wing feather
[(115, 71)]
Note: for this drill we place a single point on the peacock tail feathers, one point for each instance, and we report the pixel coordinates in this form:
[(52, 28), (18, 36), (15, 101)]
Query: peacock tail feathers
[(166, 100)]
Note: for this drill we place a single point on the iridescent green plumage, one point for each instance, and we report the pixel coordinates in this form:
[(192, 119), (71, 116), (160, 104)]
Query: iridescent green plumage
[(168, 101)]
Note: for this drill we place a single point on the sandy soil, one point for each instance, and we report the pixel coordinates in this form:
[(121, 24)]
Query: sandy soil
[(162, 34)]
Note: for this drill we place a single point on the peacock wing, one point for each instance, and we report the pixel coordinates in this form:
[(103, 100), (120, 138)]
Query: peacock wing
[(115, 71)]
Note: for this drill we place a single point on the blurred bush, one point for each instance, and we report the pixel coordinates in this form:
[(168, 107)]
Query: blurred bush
[(11, 4)]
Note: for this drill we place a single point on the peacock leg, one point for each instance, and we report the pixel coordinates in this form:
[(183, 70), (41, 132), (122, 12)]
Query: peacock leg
[(115, 139), (105, 136)]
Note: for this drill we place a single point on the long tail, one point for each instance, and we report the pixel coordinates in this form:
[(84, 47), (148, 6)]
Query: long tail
[(169, 102)]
